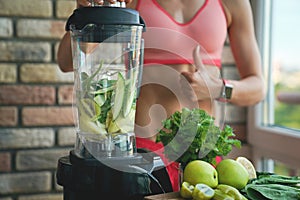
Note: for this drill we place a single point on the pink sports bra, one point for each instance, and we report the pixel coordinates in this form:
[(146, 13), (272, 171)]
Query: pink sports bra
[(170, 42)]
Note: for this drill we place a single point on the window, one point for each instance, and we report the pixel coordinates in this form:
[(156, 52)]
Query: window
[(285, 61), (274, 124)]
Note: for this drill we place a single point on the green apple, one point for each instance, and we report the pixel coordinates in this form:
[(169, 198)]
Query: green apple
[(231, 172), (198, 171)]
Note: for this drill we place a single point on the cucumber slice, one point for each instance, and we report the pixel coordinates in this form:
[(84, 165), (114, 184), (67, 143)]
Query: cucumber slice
[(88, 113), (126, 124), (119, 96), (89, 107), (99, 99), (130, 93), (87, 126), (103, 90), (128, 99)]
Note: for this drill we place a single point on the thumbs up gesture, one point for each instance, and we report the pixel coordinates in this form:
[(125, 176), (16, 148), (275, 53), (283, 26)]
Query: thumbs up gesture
[(205, 83)]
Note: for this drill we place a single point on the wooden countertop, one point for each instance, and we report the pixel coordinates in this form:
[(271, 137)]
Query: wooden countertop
[(166, 196)]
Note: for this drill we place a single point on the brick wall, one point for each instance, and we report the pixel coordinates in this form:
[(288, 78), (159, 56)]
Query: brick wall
[(36, 119)]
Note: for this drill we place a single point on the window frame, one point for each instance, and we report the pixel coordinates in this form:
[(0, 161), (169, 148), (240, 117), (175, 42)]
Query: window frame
[(269, 142)]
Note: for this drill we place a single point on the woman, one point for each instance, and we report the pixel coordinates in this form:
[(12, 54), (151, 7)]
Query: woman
[(182, 61)]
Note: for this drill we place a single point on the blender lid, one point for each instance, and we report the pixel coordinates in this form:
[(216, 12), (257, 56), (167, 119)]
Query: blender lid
[(104, 15)]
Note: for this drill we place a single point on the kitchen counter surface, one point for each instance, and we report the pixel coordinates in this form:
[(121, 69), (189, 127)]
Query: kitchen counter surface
[(166, 196)]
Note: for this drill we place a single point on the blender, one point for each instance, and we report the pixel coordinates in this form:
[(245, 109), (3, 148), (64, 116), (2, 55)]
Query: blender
[(107, 50)]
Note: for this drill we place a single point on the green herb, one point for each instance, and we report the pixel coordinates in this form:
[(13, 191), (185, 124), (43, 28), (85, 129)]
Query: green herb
[(192, 134)]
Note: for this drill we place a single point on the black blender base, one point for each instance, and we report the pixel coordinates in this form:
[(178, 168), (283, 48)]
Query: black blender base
[(71, 195), (89, 179)]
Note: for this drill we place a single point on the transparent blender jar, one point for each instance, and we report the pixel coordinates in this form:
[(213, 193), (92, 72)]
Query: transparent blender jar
[(107, 48)]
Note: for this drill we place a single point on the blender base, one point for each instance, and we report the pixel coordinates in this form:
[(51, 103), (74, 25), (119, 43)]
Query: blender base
[(92, 179)]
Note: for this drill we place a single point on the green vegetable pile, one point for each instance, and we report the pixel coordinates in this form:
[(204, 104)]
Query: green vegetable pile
[(192, 134), (272, 186), (107, 105)]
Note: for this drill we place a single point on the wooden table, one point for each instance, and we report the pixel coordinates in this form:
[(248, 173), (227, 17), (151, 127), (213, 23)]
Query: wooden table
[(166, 196)]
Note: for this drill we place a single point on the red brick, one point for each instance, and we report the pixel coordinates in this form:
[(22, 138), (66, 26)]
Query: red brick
[(64, 8), (36, 28), (27, 95), (27, 182), (5, 162), (28, 8), (65, 94), (46, 116), (8, 116)]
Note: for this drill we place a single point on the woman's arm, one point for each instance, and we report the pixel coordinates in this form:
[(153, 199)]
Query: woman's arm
[(247, 91), (250, 88), (64, 54)]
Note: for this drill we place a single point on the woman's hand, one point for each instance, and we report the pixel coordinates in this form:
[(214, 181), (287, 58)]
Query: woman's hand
[(205, 83), (99, 2)]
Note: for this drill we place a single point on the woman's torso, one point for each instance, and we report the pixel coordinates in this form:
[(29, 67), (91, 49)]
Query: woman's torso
[(160, 94)]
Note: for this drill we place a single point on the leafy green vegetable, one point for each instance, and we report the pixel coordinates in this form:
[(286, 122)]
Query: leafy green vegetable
[(272, 186), (270, 178), (272, 191), (192, 134)]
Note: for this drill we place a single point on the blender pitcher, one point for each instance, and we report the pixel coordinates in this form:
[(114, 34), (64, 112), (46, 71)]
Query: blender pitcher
[(107, 49)]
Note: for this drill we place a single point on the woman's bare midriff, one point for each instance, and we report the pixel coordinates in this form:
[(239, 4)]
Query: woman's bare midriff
[(160, 96)]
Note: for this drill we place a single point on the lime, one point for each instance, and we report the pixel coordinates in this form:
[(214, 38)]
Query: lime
[(202, 192), (113, 127), (220, 195), (231, 191), (248, 165), (186, 190)]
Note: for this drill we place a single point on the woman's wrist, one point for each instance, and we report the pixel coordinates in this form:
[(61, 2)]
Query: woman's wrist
[(226, 91)]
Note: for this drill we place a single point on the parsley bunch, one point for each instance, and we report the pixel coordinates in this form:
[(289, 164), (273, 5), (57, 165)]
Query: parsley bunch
[(192, 134)]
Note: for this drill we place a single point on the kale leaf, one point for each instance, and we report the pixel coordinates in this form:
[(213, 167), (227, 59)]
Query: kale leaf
[(192, 134)]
